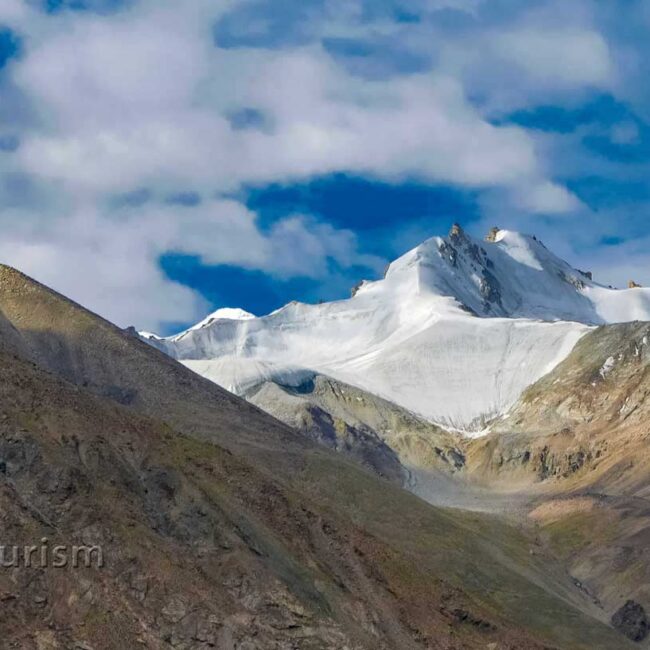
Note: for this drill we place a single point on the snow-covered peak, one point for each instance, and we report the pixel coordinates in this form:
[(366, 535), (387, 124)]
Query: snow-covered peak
[(510, 275), (225, 313), (454, 331)]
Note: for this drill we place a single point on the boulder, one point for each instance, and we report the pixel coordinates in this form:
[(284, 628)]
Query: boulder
[(631, 620), (456, 231)]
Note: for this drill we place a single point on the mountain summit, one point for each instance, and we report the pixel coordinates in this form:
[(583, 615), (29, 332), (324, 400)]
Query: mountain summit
[(454, 332), (515, 276)]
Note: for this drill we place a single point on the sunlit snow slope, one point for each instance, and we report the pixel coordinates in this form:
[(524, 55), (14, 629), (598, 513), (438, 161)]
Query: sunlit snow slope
[(455, 332)]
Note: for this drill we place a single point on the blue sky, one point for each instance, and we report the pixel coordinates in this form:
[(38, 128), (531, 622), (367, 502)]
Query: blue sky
[(161, 159)]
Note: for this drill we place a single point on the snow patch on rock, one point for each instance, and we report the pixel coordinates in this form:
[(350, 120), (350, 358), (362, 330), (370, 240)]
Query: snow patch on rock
[(607, 367)]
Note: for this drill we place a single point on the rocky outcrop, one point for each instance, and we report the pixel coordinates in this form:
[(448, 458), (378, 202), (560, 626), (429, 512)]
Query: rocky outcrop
[(489, 286), (372, 431), (634, 285), (582, 418), (493, 234), (490, 291), (356, 287), (448, 253), (573, 280), (456, 232), (631, 620), (602, 384)]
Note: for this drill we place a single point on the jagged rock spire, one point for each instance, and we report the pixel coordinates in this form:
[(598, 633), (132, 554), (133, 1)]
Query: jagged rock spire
[(456, 231)]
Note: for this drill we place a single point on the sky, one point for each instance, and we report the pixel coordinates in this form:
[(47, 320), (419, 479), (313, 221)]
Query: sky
[(161, 159)]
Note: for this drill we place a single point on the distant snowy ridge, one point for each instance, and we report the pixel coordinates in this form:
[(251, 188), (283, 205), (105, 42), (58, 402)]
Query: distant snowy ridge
[(455, 332)]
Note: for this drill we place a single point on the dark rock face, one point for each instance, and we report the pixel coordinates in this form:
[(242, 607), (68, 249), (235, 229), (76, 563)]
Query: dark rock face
[(453, 457), (479, 261), (490, 290), (356, 288), (631, 620), (449, 253), (463, 616), (551, 464)]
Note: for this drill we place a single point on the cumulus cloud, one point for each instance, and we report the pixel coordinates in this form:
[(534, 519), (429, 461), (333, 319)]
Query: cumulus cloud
[(547, 198), (138, 103), (112, 270), (558, 56), (109, 261), (14, 13)]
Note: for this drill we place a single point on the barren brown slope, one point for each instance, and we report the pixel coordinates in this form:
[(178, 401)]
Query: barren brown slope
[(223, 528), (87, 350), (585, 423), (579, 439)]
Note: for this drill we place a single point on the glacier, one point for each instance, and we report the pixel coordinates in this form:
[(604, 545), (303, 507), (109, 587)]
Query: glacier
[(456, 330)]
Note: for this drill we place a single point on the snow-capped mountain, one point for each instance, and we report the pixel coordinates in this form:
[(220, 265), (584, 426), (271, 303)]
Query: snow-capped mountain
[(455, 331), (225, 313)]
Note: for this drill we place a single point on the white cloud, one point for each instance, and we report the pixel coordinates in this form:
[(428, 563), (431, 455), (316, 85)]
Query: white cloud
[(548, 53), (14, 12), (547, 198), (108, 261), (575, 57), (162, 121), (111, 270)]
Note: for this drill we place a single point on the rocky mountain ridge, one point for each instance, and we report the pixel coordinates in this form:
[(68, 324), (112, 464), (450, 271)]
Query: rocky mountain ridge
[(454, 333)]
